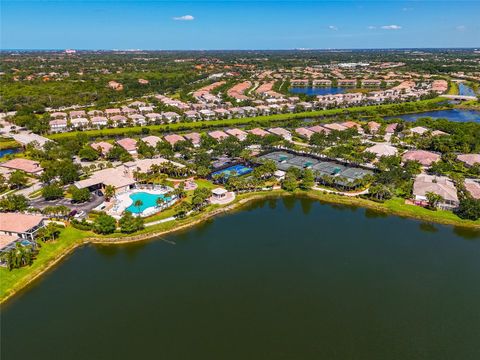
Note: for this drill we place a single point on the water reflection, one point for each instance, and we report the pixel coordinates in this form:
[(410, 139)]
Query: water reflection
[(107, 251), (272, 203), (467, 233), (289, 202), (374, 214), (306, 205), (428, 227)]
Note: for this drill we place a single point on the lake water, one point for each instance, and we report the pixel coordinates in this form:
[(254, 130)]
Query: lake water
[(458, 115), (318, 90), (284, 279)]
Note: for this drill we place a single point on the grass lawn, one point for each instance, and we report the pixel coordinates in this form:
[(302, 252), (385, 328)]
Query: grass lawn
[(453, 88), (13, 280), (8, 144)]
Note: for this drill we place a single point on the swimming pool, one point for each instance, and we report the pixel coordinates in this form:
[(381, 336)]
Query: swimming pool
[(147, 199), (235, 170)]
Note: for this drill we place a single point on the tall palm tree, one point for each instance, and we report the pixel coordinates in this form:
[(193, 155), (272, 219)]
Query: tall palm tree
[(160, 201), (109, 192), (138, 204)]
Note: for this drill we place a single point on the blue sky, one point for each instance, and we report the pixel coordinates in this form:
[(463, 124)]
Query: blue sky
[(163, 25)]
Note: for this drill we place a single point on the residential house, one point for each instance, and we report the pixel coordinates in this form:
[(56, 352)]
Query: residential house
[(129, 144), (23, 226), (172, 139), (281, 132), (102, 146), (425, 158), (469, 159), (25, 165), (439, 185)]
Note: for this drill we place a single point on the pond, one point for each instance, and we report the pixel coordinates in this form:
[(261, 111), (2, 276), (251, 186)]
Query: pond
[(457, 115), (318, 90), (287, 278)]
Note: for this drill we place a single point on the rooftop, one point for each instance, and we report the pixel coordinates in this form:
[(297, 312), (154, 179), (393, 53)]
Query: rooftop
[(29, 166), (18, 222)]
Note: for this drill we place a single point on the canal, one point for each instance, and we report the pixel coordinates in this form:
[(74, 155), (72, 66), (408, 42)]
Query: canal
[(287, 278), (456, 115)]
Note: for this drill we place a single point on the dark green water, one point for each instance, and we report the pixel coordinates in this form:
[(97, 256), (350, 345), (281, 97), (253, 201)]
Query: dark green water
[(285, 279)]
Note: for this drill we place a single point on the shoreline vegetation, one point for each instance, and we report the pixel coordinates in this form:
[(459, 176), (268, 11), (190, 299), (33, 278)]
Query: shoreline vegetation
[(364, 111), (54, 252)]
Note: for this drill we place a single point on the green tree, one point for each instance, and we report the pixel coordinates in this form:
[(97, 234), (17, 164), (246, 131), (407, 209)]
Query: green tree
[(20, 255), (18, 179), (88, 153), (130, 224), (289, 183), (308, 180), (49, 232), (138, 204), (104, 224), (433, 199), (160, 201), (182, 210), (380, 192), (200, 197), (109, 192), (469, 209), (13, 202), (80, 195), (52, 192)]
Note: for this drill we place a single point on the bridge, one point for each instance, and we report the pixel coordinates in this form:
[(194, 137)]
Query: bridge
[(459, 97)]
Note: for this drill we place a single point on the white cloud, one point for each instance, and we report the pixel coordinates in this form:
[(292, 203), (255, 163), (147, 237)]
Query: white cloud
[(407, 9), (184, 18), (333, 27), (391, 27), (461, 28), (371, 27)]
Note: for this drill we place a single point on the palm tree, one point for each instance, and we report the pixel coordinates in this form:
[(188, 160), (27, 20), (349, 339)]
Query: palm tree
[(109, 192), (138, 204), (160, 201)]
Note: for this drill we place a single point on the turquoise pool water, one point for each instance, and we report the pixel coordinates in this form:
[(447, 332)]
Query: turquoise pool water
[(147, 199)]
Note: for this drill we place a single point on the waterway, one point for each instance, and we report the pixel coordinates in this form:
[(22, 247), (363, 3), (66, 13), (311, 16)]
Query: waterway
[(465, 90), (282, 279), (457, 115), (318, 90)]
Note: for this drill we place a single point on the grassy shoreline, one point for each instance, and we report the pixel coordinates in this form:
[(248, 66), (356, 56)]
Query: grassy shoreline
[(52, 253)]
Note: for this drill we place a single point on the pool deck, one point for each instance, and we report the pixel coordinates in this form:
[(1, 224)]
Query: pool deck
[(123, 201)]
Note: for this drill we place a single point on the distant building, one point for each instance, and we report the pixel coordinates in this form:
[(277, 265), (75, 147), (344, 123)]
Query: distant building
[(130, 145), (469, 159), (102, 146), (172, 139), (151, 140)]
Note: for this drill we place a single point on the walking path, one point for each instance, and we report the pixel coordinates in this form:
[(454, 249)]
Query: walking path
[(363, 192), (171, 218)]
